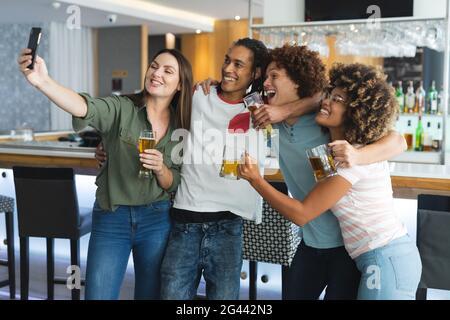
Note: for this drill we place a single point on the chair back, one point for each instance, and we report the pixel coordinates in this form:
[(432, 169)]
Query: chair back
[(433, 241), (47, 204)]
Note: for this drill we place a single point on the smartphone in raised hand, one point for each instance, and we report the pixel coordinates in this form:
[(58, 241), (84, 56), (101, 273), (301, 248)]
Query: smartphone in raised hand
[(33, 44)]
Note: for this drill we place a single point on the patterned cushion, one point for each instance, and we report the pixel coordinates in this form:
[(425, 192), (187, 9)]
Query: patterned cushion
[(6, 204), (275, 240)]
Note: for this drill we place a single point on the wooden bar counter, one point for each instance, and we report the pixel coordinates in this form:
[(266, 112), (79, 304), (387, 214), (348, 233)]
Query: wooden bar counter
[(408, 180)]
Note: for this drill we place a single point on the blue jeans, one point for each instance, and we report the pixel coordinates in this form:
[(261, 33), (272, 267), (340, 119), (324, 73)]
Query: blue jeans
[(214, 248), (391, 272), (143, 230)]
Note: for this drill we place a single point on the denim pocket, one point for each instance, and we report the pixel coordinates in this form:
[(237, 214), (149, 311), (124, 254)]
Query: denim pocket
[(407, 270), (233, 227)]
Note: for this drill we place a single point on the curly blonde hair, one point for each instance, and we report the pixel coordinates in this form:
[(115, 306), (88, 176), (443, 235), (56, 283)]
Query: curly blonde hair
[(371, 104)]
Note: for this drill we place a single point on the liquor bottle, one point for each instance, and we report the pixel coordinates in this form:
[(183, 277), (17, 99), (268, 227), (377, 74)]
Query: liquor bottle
[(441, 101), (419, 135), (432, 99), (400, 97), (427, 138), (409, 136), (410, 99), (420, 99), (437, 139)]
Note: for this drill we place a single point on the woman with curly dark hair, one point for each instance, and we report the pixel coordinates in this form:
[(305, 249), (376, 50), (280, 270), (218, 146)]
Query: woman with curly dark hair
[(361, 109)]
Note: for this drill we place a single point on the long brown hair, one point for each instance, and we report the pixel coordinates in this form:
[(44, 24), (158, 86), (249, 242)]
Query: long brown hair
[(182, 100)]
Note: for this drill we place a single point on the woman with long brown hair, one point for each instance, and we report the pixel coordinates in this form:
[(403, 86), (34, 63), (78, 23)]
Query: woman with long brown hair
[(131, 213)]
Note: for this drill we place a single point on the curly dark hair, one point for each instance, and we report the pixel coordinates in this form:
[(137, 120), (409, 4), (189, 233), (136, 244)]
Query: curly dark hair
[(260, 59), (303, 66), (371, 104)]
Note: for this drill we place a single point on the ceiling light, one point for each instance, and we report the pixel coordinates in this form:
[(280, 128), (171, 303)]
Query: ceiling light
[(237, 18), (56, 5), (198, 31)]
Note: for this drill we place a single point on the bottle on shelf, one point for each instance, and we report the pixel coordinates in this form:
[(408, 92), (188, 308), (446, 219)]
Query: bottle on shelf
[(409, 136), (410, 98), (432, 99), (419, 135), (427, 138), (420, 99), (440, 107), (400, 97), (437, 138)]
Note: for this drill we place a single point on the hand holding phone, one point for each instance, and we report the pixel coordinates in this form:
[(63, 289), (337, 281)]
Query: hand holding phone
[(33, 44), (30, 64)]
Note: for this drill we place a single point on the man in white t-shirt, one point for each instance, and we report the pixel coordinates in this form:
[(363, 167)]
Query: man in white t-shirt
[(206, 238)]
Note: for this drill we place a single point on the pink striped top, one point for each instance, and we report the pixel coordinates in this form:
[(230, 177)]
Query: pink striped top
[(366, 213)]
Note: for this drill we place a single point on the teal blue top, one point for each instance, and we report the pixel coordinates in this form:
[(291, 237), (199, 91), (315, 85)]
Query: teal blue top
[(323, 232)]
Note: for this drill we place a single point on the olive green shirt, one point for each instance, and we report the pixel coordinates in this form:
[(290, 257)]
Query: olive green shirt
[(119, 122)]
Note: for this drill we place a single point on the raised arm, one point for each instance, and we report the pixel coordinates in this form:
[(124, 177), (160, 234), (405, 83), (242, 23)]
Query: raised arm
[(324, 195), (66, 99), (386, 148), (269, 114)]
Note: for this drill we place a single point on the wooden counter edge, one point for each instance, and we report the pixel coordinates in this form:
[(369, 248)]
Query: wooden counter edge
[(90, 165), (397, 182)]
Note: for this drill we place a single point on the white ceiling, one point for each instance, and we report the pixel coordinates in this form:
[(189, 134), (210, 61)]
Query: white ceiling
[(218, 9), (94, 13)]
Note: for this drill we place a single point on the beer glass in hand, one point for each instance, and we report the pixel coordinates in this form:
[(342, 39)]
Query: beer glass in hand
[(253, 101), (322, 162), (232, 157), (147, 140)]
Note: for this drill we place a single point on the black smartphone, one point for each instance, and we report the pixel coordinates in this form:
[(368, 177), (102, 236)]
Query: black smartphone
[(33, 44)]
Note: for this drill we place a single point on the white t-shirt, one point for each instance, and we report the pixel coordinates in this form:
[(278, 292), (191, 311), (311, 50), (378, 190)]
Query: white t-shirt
[(366, 213), (201, 188)]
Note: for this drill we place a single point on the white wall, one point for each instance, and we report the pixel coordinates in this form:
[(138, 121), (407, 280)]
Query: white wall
[(284, 11), (430, 9)]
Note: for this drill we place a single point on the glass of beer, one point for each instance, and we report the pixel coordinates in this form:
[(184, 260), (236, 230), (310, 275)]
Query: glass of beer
[(232, 157), (409, 140), (322, 162), (252, 102), (147, 140)]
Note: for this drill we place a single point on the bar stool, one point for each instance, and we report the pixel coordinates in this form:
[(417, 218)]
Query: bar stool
[(433, 238), (7, 206), (47, 207)]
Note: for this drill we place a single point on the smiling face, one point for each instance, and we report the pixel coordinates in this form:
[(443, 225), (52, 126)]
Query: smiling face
[(332, 111), (237, 69), (279, 88), (163, 76)]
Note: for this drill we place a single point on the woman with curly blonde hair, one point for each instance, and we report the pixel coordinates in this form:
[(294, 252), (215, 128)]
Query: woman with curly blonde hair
[(361, 109)]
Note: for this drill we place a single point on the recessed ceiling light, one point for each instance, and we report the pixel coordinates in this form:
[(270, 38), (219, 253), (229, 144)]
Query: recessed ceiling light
[(237, 18), (56, 5), (198, 31)]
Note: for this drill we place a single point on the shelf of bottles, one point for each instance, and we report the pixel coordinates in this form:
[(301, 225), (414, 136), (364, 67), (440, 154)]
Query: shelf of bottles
[(423, 118), (421, 121)]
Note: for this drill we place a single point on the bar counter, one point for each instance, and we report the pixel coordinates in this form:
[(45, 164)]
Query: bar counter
[(408, 179)]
